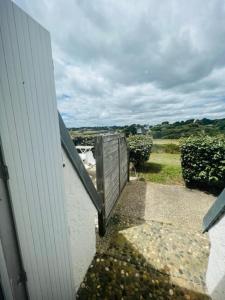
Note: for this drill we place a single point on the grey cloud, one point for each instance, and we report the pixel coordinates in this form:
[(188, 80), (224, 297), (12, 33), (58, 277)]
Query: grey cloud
[(120, 62)]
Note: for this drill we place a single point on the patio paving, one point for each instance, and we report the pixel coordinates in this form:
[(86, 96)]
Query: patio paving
[(154, 247)]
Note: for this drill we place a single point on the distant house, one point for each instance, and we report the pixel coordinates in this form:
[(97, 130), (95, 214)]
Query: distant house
[(142, 129)]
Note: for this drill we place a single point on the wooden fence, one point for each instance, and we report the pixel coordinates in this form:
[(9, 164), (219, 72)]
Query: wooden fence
[(112, 172)]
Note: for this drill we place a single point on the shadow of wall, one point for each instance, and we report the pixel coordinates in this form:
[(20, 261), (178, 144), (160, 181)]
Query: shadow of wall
[(123, 273)]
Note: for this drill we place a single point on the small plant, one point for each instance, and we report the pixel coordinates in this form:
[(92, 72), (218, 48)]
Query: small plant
[(203, 161), (140, 148)]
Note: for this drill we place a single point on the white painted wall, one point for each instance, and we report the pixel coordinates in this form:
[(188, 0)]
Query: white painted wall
[(215, 277), (81, 215)]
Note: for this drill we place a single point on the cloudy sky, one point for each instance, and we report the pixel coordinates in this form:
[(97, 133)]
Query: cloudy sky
[(123, 62)]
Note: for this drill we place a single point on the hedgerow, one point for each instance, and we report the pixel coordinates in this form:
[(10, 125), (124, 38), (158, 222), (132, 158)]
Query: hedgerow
[(84, 140), (140, 148), (203, 161)]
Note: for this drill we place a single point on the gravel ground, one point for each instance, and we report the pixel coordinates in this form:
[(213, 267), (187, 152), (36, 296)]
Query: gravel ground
[(143, 257)]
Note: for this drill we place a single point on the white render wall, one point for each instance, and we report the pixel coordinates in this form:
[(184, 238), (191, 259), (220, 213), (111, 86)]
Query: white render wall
[(81, 215), (215, 277)]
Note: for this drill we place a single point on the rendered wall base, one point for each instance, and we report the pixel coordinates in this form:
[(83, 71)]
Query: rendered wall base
[(215, 277), (81, 215)]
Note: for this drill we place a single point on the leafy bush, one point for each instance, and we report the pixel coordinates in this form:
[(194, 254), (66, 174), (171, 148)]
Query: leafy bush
[(203, 161), (140, 148), (84, 140)]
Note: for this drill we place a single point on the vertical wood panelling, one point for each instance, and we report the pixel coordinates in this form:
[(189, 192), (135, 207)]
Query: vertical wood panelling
[(123, 162), (11, 127), (44, 140), (5, 281), (32, 159), (111, 171), (56, 156), (31, 144), (9, 243)]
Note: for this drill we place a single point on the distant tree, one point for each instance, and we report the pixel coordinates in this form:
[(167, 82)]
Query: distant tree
[(130, 130), (189, 121), (206, 121)]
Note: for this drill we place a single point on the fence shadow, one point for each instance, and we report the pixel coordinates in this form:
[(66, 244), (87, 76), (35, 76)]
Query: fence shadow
[(130, 209)]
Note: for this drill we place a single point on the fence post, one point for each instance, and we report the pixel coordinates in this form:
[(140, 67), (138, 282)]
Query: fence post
[(119, 162), (128, 162), (100, 183)]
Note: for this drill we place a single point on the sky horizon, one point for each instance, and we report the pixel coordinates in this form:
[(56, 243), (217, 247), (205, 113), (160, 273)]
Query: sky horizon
[(142, 124), (131, 62)]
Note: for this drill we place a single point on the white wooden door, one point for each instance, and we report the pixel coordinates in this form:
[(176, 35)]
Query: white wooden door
[(12, 276), (29, 131)]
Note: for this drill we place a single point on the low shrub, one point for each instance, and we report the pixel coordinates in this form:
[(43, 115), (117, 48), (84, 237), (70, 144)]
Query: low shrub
[(203, 162), (140, 148), (84, 140)]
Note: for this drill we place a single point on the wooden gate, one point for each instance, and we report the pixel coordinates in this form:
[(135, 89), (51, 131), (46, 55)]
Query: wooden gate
[(111, 172), (29, 131)]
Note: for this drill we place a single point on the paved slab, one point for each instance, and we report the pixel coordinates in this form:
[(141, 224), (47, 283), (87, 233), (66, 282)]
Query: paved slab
[(176, 205)]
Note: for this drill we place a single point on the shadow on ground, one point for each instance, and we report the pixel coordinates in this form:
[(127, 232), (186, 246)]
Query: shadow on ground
[(139, 260), (129, 276), (150, 167), (211, 190)]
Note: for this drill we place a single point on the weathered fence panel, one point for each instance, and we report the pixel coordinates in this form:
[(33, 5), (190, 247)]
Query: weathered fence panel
[(111, 172), (124, 170)]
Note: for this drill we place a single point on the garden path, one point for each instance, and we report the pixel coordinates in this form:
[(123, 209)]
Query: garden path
[(154, 247)]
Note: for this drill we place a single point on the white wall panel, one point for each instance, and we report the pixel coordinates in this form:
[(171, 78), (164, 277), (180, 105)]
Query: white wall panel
[(81, 215), (215, 276)]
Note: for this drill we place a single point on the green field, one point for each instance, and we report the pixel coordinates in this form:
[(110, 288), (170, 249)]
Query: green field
[(163, 168), (165, 141), (77, 133)]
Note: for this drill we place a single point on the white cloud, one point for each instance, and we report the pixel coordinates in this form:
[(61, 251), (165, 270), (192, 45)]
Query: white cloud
[(120, 62)]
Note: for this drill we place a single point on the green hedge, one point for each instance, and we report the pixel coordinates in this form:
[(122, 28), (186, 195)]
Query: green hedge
[(140, 148), (84, 140), (203, 161)]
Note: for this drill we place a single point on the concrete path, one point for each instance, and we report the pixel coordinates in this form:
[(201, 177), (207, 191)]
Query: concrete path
[(176, 205), (154, 247)]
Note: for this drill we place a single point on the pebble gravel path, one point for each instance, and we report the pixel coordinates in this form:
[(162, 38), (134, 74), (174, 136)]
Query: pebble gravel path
[(146, 259)]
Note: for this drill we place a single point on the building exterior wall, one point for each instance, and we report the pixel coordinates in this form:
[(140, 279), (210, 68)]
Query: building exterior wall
[(81, 215), (215, 277)]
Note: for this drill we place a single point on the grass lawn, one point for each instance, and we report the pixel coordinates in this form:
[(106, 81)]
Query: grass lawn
[(166, 141), (162, 168)]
